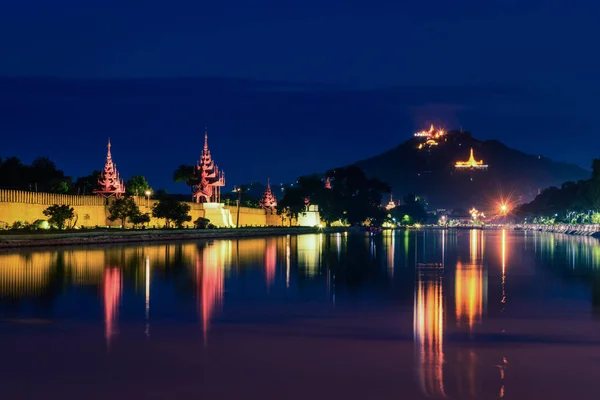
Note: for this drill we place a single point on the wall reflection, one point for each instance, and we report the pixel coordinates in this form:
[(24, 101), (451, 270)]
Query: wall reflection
[(428, 326)]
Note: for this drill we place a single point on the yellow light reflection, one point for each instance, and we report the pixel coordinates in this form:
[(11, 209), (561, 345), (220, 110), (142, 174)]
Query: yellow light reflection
[(24, 275), (391, 248), (309, 251), (287, 261), (428, 328), (468, 294), (147, 314), (503, 250)]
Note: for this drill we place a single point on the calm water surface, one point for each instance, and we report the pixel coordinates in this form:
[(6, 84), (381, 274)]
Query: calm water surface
[(514, 315)]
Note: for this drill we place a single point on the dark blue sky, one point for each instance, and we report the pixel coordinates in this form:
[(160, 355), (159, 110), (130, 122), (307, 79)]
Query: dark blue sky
[(354, 78)]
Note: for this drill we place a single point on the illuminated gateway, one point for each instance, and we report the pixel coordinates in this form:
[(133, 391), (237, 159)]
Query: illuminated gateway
[(471, 163), (209, 180)]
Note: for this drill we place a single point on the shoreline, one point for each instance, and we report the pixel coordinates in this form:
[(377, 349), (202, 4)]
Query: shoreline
[(8, 242), (592, 230)]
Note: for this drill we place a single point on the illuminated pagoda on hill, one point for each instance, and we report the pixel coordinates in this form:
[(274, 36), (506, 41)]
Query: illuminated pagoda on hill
[(209, 180), (327, 183), (391, 204), (268, 201), (431, 137), (471, 163), (110, 184)]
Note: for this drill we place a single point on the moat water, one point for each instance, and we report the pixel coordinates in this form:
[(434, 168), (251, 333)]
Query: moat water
[(513, 315)]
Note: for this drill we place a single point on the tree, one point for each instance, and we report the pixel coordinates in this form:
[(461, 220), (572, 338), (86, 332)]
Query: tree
[(353, 197), (62, 188), (411, 210), (85, 184), (138, 219), (203, 223), (137, 185), (185, 173), (172, 211), (59, 214), (122, 209)]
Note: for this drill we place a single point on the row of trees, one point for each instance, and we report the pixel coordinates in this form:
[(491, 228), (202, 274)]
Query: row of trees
[(353, 197), (43, 176), (573, 201), (125, 210)]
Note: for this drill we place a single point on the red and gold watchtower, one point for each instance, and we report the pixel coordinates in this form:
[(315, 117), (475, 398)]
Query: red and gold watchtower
[(268, 201), (110, 184), (209, 179)]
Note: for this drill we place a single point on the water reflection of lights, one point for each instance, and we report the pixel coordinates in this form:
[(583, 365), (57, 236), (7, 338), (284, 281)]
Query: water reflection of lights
[(390, 239), (210, 281), (468, 294), (112, 296), (287, 261), (309, 252), (270, 260), (503, 250), (502, 370), (147, 313), (428, 326), (24, 276)]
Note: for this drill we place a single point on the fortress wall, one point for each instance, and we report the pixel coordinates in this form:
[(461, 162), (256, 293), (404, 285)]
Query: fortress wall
[(92, 211), (17, 205), (248, 216)]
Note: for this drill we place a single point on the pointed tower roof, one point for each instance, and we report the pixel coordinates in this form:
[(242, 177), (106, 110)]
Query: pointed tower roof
[(268, 201), (110, 183)]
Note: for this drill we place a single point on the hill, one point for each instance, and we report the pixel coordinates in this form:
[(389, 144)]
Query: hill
[(430, 171)]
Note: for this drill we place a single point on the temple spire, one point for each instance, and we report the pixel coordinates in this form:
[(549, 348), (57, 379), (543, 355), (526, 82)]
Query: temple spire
[(268, 201), (209, 178), (110, 183), (391, 204)]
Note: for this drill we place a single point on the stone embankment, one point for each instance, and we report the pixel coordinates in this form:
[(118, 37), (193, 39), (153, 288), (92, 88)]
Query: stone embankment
[(569, 229), (86, 237)]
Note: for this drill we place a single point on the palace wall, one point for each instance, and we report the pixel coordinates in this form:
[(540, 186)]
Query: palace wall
[(16, 205), (92, 211)]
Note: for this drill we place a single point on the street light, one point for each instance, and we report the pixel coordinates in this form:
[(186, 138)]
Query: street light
[(147, 193), (503, 208), (239, 200)]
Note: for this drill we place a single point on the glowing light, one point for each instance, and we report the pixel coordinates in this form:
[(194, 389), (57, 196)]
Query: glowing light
[(428, 326), (147, 296), (210, 284), (471, 163), (112, 296), (270, 261), (468, 294)]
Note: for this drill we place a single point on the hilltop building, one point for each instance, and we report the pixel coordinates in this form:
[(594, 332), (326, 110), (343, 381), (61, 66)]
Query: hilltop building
[(110, 184), (471, 163)]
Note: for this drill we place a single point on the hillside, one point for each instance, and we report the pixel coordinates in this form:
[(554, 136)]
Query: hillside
[(430, 171)]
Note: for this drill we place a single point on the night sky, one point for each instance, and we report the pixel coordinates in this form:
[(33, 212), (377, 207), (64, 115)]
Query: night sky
[(290, 87)]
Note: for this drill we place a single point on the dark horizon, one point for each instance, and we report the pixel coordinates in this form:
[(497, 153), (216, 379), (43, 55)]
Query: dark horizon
[(327, 125)]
